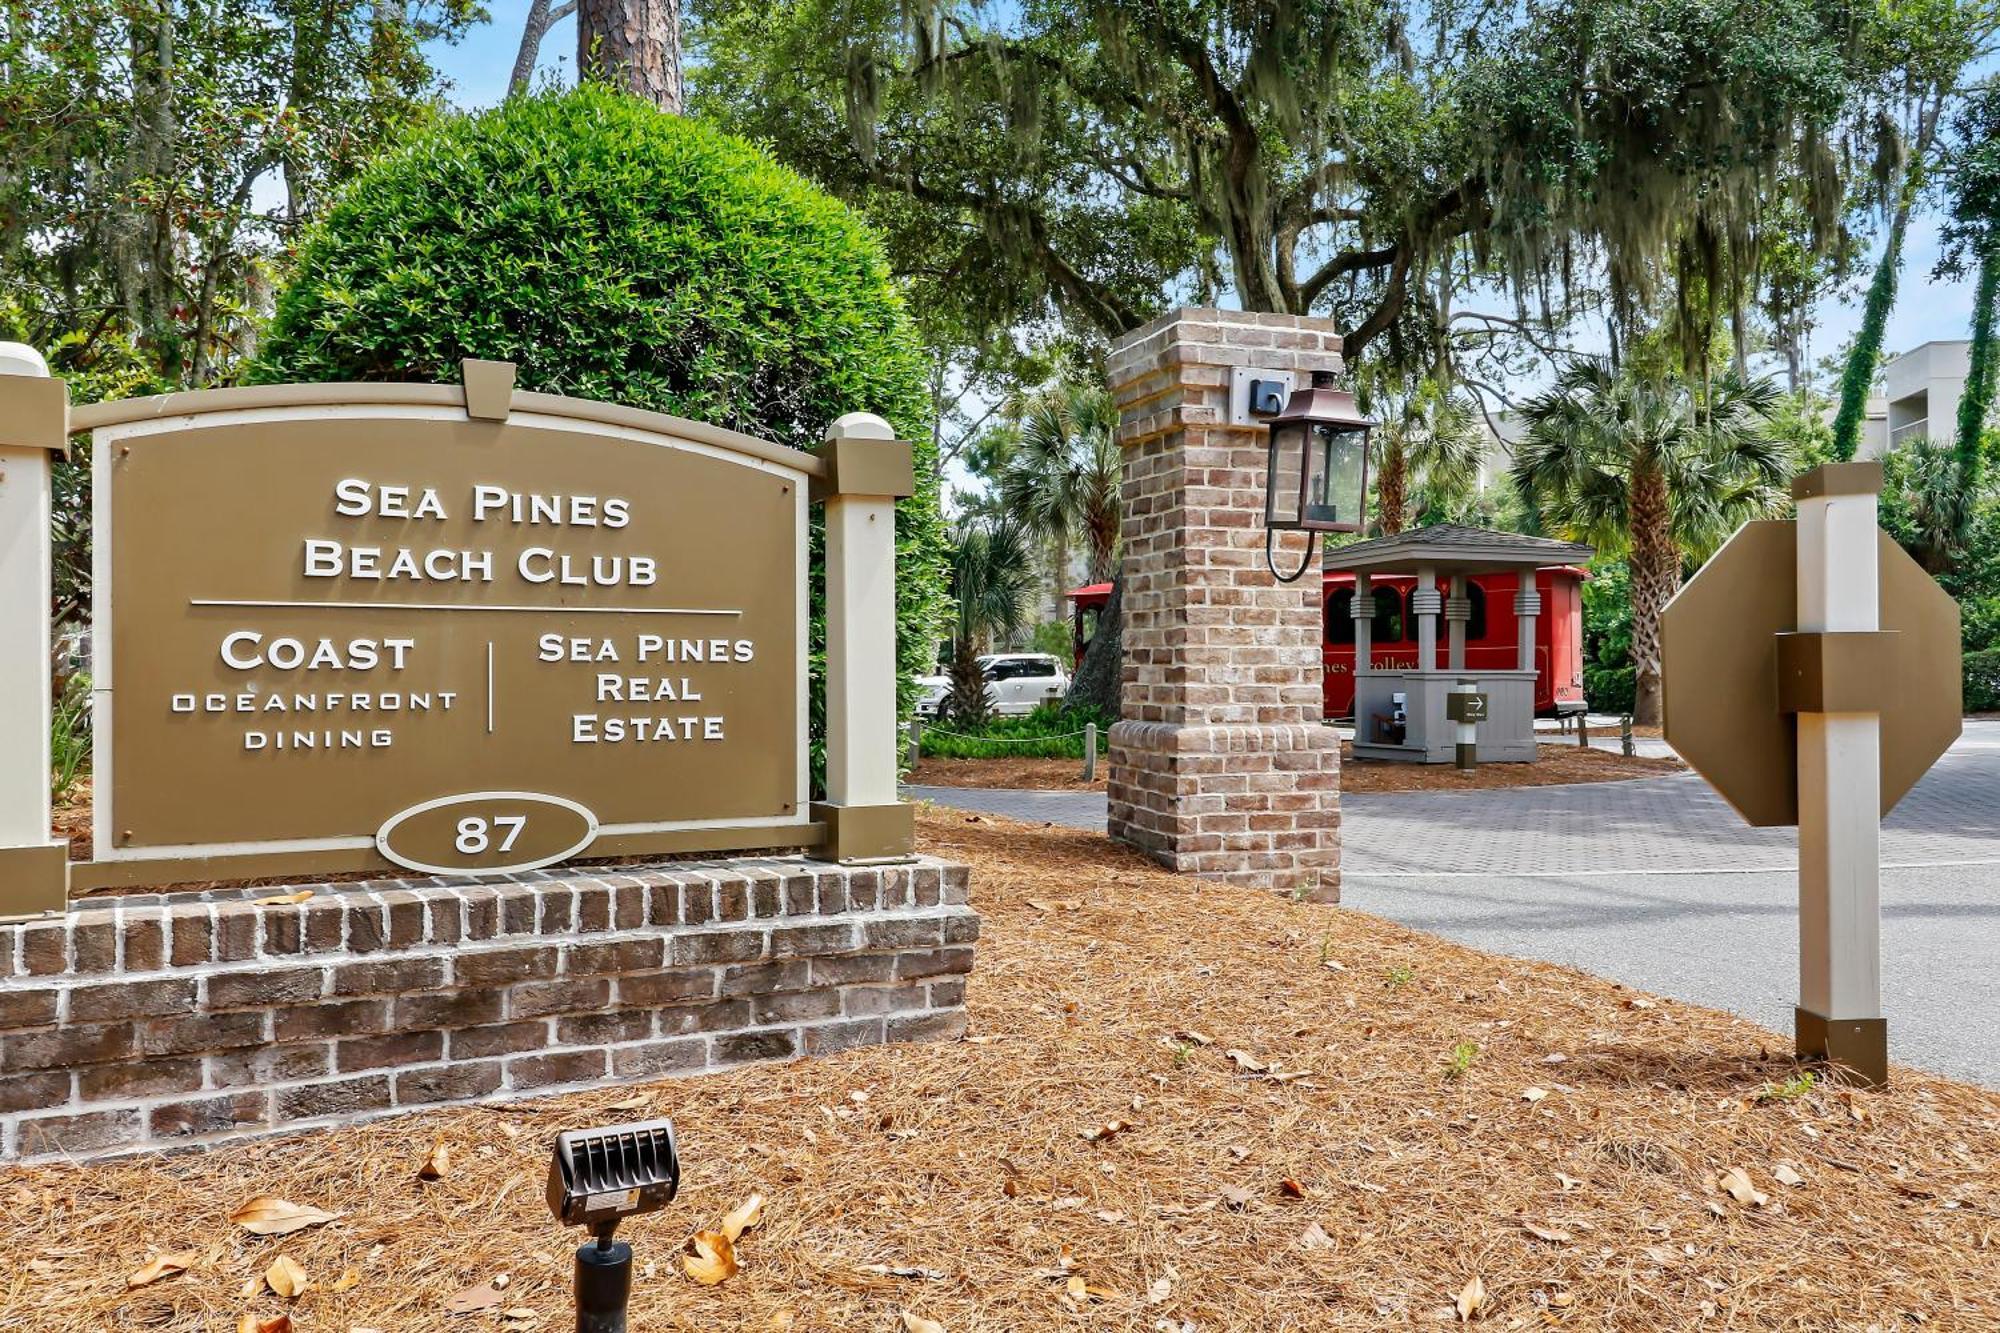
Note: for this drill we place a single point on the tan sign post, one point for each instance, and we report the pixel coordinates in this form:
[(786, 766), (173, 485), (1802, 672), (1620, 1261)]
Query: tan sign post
[(457, 630), (1812, 675), (33, 428)]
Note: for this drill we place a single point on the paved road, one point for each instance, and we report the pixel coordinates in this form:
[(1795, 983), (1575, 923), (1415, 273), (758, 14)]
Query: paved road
[(1658, 884)]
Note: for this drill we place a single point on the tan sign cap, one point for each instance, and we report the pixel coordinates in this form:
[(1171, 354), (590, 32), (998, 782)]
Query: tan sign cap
[(862, 457), (1838, 479), (34, 413)]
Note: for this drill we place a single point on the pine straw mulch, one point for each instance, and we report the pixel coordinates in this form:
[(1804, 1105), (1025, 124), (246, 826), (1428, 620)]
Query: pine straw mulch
[(1560, 763), (1367, 1192)]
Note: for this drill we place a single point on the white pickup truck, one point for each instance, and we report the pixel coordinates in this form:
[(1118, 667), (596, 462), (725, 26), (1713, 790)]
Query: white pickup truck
[(1015, 683)]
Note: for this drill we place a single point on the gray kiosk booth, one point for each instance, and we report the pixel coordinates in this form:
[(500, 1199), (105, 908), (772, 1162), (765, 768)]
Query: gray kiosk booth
[(1402, 713)]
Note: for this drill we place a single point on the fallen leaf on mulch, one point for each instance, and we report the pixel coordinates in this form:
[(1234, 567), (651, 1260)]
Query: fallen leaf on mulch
[(1786, 1176), (283, 899), (1314, 1237), (473, 1299), (436, 1163), (347, 1281), (1737, 1182), (286, 1278), (1193, 1038), (1236, 1197), (267, 1215), (742, 1217), (710, 1258), (1247, 1062), (1471, 1300), (165, 1265), (638, 1103), (1533, 1094), (1105, 1131), (913, 1323), (1554, 1234), (1291, 1189), (1056, 905), (277, 1323)]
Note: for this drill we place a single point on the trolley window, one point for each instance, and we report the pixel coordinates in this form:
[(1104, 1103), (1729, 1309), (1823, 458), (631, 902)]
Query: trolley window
[(1340, 616)]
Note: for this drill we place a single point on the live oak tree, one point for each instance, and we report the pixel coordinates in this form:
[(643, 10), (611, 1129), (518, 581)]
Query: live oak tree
[(157, 157), (1367, 161)]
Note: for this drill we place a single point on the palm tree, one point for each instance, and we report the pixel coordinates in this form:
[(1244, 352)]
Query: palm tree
[(1062, 482), (1658, 469), (1428, 461), (1928, 503), (992, 575)]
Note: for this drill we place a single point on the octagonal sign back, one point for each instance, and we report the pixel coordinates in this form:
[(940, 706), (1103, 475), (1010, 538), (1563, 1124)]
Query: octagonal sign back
[(1719, 664)]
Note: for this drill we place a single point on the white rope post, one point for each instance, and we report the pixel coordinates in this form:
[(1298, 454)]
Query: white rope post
[(33, 424), (1840, 798), (1090, 752), (867, 470)]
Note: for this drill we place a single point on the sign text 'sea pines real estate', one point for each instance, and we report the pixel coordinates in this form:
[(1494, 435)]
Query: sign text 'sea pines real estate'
[(340, 627)]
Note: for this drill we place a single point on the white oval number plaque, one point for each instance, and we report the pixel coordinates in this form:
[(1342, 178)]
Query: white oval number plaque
[(487, 833)]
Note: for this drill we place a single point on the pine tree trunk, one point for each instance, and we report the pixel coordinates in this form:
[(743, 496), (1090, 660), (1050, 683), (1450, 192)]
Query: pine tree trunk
[(1655, 574), (634, 45), (540, 19), (1981, 380), (1859, 377), (1096, 683)]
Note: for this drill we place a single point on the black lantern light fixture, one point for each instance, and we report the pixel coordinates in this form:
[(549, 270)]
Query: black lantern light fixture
[(1317, 480)]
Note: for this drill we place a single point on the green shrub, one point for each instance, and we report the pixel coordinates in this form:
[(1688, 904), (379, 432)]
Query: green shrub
[(1054, 637), (1052, 731), (613, 251), (1608, 678), (69, 737), (1982, 681)]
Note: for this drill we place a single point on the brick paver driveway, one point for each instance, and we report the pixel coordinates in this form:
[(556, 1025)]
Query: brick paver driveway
[(1658, 884)]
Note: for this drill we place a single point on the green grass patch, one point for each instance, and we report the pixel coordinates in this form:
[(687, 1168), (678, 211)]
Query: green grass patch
[(1052, 731)]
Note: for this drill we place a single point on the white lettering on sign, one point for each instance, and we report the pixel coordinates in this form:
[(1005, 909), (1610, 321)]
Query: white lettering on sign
[(538, 564), (590, 729), (247, 649)]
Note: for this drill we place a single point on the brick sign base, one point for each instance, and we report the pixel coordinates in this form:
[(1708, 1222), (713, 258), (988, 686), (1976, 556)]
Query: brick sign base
[(155, 1021)]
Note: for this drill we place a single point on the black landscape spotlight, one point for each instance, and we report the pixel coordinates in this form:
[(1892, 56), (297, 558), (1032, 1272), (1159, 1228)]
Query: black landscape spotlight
[(598, 1178)]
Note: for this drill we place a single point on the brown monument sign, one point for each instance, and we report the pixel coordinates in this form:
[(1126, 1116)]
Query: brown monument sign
[(358, 627)]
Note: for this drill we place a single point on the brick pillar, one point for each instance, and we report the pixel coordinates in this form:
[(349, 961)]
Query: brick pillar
[(1219, 766)]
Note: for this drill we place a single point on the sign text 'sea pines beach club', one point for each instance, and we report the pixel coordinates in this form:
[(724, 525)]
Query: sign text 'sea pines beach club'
[(351, 627)]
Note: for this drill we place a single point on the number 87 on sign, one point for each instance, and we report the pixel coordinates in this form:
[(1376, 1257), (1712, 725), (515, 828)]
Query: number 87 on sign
[(486, 832)]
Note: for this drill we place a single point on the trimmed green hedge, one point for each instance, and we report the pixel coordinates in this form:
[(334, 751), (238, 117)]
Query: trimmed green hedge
[(613, 251), (1042, 734)]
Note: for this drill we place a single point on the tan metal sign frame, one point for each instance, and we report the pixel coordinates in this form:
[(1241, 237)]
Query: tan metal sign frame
[(488, 409)]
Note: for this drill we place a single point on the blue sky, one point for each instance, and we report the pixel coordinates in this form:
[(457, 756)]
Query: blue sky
[(1926, 309)]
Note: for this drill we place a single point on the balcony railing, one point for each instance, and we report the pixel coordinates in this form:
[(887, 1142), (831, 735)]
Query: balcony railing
[(1912, 430)]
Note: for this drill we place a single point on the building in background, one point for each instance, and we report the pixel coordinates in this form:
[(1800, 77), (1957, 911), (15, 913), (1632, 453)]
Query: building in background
[(1922, 388)]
